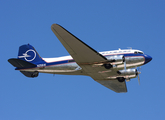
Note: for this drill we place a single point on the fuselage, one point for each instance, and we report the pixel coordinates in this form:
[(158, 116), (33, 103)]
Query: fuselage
[(67, 65)]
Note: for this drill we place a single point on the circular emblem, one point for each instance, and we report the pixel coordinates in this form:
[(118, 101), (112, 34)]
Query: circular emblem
[(30, 55)]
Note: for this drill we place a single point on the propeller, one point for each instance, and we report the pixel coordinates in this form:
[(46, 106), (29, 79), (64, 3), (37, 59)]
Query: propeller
[(124, 63), (137, 74)]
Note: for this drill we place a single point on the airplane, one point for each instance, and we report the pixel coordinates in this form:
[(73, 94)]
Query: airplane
[(110, 68)]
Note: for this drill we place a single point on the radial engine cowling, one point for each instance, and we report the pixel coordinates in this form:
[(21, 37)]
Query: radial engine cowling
[(129, 73), (116, 59)]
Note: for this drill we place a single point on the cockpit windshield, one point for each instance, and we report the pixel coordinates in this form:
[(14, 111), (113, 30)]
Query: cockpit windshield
[(138, 52)]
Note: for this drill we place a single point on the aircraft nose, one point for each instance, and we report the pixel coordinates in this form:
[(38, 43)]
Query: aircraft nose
[(147, 59)]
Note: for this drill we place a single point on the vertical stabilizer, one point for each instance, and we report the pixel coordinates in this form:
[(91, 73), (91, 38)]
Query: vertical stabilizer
[(29, 54)]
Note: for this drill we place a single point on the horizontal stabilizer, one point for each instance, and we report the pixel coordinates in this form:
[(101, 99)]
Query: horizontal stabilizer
[(30, 74), (20, 63)]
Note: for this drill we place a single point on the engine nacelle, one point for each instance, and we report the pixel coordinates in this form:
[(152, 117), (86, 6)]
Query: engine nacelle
[(129, 73), (125, 75), (116, 59)]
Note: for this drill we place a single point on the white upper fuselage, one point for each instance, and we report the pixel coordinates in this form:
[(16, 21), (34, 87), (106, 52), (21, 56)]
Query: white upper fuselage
[(66, 64), (104, 53)]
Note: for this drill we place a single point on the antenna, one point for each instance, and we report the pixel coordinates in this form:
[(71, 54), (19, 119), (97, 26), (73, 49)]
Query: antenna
[(129, 48)]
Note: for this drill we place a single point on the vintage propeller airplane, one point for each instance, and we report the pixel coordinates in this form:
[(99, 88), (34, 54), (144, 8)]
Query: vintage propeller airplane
[(109, 68)]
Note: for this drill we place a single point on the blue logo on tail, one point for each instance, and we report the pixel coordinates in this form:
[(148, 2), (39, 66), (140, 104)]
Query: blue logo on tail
[(29, 54)]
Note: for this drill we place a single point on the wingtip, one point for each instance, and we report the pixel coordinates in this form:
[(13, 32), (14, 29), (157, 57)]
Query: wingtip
[(54, 25)]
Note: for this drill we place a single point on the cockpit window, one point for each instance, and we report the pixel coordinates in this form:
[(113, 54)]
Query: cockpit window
[(136, 52), (140, 52)]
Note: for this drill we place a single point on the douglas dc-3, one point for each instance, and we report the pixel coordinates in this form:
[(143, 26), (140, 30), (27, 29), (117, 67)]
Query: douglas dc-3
[(110, 68)]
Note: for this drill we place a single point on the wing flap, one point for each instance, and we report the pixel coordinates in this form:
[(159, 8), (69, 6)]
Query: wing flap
[(81, 52), (115, 85)]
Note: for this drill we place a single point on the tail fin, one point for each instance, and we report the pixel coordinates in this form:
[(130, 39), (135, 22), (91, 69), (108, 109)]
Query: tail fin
[(29, 54), (27, 58)]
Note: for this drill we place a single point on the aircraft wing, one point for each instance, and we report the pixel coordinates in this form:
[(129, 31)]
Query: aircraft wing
[(86, 57), (81, 52), (114, 85)]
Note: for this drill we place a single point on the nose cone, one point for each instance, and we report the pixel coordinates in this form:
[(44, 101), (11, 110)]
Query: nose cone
[(147, 59)]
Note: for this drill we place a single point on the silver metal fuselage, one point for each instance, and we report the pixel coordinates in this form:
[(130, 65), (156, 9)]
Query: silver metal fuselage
[(67, 66)]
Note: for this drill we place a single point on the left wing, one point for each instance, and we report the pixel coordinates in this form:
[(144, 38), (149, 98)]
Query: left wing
[(86, 57), (81, 52), (114, 85)]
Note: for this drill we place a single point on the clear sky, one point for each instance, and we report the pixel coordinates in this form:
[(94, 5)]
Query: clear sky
[(103, 25)]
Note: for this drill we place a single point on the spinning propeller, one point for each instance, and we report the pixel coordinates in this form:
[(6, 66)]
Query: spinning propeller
[(124, 63), (137, 74)]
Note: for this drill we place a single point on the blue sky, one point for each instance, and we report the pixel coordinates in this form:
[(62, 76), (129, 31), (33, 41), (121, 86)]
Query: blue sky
[(103, 25)]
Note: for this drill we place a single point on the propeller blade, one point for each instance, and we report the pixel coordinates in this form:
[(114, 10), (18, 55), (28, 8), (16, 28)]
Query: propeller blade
[(125, 65), (139, 69), (137, 74), (138, 79)]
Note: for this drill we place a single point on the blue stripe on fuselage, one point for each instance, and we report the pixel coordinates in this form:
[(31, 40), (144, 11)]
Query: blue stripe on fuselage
[(67, 61)]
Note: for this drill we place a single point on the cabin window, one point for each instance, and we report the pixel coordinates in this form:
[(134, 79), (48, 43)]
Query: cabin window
[(71, 61)]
